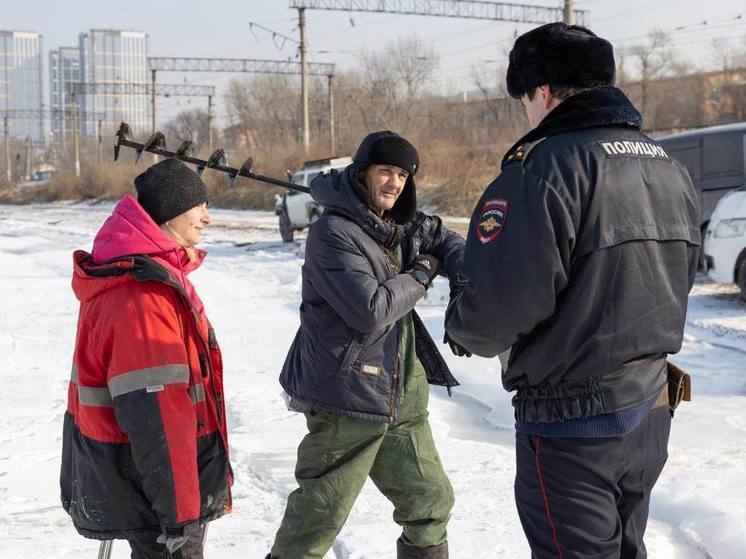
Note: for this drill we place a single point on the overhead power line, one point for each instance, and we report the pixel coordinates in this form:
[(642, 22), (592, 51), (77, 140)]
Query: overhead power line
[(128, 88), (465, 9), (275, 34), (45, 114), (180, 64)]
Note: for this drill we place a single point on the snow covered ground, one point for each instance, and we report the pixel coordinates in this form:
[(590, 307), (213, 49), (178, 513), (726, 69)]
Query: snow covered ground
[(251, 286)]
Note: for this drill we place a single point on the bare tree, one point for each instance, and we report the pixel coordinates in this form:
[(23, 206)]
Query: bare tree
[(268, 104), (190, 125), (725, 56), (729, 95), (653, 60), (491, 85), (393, 82)]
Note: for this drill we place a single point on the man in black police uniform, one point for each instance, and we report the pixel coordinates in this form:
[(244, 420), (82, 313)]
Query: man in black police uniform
[(580, 257)]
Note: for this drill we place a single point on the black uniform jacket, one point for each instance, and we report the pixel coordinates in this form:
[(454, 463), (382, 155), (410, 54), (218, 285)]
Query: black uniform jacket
[(580, 256), (346, 355)]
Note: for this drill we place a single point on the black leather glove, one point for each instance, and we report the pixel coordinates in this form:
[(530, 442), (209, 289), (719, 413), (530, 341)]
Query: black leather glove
[(174, 542), (456, 348), (424, 269), (457, 285)]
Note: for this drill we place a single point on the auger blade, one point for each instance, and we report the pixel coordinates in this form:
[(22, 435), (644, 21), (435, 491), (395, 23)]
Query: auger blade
[(124, 133), (157, 140), (247, 166), (217, 159), (186, 149)]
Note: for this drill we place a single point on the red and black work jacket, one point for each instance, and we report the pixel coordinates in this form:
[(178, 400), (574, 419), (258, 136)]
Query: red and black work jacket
[(145, 441)]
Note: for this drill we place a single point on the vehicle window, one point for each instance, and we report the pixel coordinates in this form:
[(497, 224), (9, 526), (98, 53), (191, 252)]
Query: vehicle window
[(690, 155), (297, 179), (722, 160)]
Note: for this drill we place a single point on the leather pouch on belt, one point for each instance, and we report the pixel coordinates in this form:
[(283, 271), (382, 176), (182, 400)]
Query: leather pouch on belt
[(679, 386)]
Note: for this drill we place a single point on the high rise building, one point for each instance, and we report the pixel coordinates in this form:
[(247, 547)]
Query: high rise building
[(114, 56), (64, 70), (21, 84)]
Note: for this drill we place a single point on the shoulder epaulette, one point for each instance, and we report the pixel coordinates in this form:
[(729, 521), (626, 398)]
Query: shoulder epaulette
[(522, 152)]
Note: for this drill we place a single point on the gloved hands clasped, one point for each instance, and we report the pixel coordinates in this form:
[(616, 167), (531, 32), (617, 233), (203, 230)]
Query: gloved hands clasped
[(458, 350), (424, 269), (456, 286)]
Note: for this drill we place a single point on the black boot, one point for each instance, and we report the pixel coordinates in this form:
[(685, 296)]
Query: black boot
[(409, 552)]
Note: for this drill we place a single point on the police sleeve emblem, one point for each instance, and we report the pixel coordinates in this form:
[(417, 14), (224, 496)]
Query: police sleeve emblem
[(491, 220)]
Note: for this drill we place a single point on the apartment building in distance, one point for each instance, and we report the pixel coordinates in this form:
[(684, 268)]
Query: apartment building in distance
[(113, 56), (64, 71), (21, 90)]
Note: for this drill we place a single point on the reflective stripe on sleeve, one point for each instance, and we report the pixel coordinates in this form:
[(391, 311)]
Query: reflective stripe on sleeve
[(90, 396), (74, 373), (148, 378)]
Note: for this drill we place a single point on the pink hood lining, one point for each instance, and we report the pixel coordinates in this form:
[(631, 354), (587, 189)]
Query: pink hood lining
[(129, 230)]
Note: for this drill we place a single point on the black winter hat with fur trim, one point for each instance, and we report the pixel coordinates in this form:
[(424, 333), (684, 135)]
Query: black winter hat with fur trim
[(169, 188), (561, 55), (388, 148)]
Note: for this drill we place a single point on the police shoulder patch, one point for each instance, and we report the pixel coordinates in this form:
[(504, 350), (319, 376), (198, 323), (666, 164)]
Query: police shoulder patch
[(491, 220)]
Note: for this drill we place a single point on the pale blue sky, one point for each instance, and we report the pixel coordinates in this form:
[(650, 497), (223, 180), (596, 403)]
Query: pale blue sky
[(221, 28)]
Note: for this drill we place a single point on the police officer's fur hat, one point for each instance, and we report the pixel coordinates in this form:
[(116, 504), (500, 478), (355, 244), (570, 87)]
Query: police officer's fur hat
[(560, 55)]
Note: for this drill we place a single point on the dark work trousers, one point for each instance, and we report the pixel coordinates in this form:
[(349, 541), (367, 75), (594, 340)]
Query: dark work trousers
[(589, 498), (147, 548)]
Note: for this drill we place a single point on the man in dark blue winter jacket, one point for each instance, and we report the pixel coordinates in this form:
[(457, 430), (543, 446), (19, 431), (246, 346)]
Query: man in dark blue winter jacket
[(361, 362), (580, 257)]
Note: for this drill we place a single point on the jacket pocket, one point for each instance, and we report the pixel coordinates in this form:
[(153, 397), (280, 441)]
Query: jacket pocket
[(352, 352)]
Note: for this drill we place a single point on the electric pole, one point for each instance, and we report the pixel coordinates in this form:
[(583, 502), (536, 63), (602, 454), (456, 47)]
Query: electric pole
[(99, 143), (569, 16), (6, 138), (64, 125), (27, 170), (209, 122), (152, 99), (332, 139), (304, 76), (76, 134)]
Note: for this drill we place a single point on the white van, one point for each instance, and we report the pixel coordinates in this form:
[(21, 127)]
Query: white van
[(297, 210), (725, 241)]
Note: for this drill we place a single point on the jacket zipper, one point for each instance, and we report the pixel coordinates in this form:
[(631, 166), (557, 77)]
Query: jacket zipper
[(215, 394), (396, 377), (395, 381), (208, 359)]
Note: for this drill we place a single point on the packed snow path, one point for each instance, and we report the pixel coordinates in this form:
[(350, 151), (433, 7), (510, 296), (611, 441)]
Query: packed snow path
[(250, 284)]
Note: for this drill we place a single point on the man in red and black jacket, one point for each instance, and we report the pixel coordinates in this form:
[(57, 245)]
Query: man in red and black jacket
[(145, 452)]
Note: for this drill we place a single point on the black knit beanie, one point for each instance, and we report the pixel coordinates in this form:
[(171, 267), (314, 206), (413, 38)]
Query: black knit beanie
[(561, 55), (387, 148), (169, 188)]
